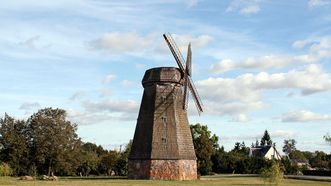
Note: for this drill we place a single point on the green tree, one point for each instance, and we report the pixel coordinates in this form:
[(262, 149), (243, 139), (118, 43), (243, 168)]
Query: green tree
[(327, 138), (319, 160), (5, 170), (274, 174), (241, 148), (289, 146), (53, 141), (89, 162), (13, 145), (108, 162), (266, 140), (289, 167), (297, 155), (91, 147), (205, 145)]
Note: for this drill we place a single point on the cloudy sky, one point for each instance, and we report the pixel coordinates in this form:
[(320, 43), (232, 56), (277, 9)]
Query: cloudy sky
[(257, 64)]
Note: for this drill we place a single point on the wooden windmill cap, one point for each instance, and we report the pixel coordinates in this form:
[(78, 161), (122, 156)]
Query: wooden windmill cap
[(162, 75)]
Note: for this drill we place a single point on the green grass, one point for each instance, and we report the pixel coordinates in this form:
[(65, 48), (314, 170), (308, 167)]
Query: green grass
[(205, 181)]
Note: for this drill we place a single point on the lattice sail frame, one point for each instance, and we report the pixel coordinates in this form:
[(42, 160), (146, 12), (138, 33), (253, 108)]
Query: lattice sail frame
[(186, 70)]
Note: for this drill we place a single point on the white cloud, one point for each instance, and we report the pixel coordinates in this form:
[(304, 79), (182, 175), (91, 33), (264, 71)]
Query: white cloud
[(106, 92), (301, 43), (240, 118), (244, 6), (304, 116), (191, 3), (318, 50), (126, 83), (152, 44), (265, 62), (31, 42), (29, 106), (283, 134), (250, 9), (87, 118), (116, 43), (127, 106), (77, 95), (315, 3), (196, 41), (242, 94), (105, 110), (108, 79)]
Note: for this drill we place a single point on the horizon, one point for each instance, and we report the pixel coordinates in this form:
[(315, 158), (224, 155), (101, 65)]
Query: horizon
[(257, 65)]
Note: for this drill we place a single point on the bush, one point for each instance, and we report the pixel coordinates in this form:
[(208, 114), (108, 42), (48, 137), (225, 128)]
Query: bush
[(5, 170), (273, 174)]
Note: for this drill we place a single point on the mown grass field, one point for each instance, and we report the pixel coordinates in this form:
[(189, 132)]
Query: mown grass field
[(205, 181)]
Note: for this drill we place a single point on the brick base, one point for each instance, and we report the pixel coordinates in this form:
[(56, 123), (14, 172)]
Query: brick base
[(163, 169)]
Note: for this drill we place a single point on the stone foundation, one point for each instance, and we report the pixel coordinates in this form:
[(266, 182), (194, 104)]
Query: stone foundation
[(163, 169)]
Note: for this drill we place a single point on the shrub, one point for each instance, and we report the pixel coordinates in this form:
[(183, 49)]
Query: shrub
[(273, 174), (5, 170)]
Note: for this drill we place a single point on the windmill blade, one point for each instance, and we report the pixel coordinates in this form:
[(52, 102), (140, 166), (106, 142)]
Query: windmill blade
[(185, 96), (189, 60), (180, 61), (195, 95), (175, 51)]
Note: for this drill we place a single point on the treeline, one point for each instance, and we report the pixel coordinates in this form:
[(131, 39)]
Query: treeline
[(214, 159), (47, 144)]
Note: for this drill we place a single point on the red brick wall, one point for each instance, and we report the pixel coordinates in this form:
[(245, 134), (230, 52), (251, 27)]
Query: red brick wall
[(163, 169)]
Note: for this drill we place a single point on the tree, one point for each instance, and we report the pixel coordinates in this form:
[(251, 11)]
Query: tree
[(297, 155), (205, 145), (89, 162), (274, 174), (327, 138), (13, 145), (241, 148), (91, 147), (319, 160), (289, 167), (5, 170), (266, 140), (108, 162), (53, 141), (289, 146), (257, 143)]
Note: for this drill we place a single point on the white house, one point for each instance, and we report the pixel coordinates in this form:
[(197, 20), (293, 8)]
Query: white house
[(267, 151)]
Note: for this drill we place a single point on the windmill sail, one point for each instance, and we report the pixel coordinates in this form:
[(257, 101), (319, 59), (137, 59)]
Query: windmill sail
[(195, 95), (175, 51), (186, 71), (189, 60)]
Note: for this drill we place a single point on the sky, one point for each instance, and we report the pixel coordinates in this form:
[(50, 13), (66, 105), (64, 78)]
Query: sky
[(257, 64)]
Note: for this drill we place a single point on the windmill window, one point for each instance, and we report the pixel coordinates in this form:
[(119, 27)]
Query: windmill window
[(163, 98), (164, 140), (164, 119)]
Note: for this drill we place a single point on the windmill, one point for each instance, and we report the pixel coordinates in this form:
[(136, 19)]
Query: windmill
[(187, 71), (162, 146)]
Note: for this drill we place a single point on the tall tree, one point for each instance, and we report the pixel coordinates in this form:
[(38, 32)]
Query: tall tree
[(13, 145), (53, 141), (266, 140), (289, 146), (205, 145), (327, 138), (257, 143)]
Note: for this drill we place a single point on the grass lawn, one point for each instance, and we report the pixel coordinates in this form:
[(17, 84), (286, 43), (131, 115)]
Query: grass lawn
[(205, 181)]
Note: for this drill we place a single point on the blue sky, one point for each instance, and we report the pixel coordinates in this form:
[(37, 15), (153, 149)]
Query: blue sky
[(257, 64)]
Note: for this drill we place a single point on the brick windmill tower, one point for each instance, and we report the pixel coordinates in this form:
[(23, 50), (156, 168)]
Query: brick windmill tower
[(162, 146)]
